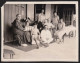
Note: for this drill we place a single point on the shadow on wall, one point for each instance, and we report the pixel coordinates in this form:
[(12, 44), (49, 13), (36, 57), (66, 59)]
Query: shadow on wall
[(9, 33)]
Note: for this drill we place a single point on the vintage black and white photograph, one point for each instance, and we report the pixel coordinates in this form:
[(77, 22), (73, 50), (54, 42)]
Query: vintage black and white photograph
[(39, 31)]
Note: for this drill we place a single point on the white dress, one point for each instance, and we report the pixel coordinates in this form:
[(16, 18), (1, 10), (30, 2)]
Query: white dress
[(46, 36)]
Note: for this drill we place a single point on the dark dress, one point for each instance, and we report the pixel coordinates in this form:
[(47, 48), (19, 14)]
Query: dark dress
[(19, 34), (40, 26)]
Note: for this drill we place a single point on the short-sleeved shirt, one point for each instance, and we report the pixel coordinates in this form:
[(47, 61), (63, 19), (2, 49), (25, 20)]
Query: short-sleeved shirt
[(35, 31), (41, 17), (55, 20), (61, 25)]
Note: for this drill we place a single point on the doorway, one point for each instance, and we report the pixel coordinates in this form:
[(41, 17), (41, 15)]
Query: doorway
[(37, 10)]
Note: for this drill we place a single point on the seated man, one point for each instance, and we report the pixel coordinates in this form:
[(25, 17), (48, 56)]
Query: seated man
[(46, 36)]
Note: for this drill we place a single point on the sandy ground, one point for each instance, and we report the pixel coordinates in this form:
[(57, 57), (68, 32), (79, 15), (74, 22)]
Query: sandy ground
[(67, 51)]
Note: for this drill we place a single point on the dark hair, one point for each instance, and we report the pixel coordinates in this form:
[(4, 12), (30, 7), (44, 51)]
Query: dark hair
[(28, 18), (45, 26), (17, 15), (54, 12)]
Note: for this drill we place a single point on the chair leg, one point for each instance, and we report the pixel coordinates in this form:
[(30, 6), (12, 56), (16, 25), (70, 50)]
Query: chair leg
[(69, 35), (3, 55), (10, 56)]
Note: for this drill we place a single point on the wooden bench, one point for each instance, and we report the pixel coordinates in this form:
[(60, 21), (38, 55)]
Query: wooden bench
[(10, 52)]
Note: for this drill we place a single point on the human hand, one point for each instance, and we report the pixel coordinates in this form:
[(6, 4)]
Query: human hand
[(24, 30)]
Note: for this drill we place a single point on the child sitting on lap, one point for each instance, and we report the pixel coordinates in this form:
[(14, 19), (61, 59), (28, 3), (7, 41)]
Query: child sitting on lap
[(27, 27)]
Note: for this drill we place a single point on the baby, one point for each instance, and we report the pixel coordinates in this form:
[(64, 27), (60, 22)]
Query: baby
[(35, 35)]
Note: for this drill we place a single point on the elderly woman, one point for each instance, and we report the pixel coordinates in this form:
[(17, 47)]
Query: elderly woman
[(19, 30)]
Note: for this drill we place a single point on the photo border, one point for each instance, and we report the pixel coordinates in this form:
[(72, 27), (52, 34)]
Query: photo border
[(2, 14)]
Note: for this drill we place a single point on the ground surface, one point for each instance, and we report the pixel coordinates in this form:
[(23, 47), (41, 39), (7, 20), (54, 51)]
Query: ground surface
[(67, 51)]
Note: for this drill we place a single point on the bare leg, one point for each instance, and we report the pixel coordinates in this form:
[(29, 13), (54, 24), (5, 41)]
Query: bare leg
[(36, 44)]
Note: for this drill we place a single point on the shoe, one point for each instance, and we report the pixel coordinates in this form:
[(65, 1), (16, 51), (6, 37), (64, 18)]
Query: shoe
[(46, 44), (37, 47), (24, 45)]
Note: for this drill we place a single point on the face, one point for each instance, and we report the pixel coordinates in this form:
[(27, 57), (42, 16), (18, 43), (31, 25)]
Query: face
[(27, 23), (42, 11), (61, 20), (35, 26), (55, 14), (18, 17)]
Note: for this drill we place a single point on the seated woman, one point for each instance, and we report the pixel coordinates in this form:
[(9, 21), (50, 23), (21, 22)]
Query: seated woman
[(61, 24), (60, 32), (27, 30), (19, 30), (46, 36)]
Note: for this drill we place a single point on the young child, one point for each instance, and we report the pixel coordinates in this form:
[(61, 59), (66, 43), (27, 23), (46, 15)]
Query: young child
[(35, 35)]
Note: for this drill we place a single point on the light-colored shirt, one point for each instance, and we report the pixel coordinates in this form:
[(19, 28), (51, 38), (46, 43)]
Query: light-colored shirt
[(50, 25), (35, 31), (41, 17), (61, 25), (46, 36), (28, 28), (55, 19)]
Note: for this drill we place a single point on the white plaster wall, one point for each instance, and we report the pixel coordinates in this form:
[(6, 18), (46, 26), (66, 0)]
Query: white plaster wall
[(48, 11), (30, 11)]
